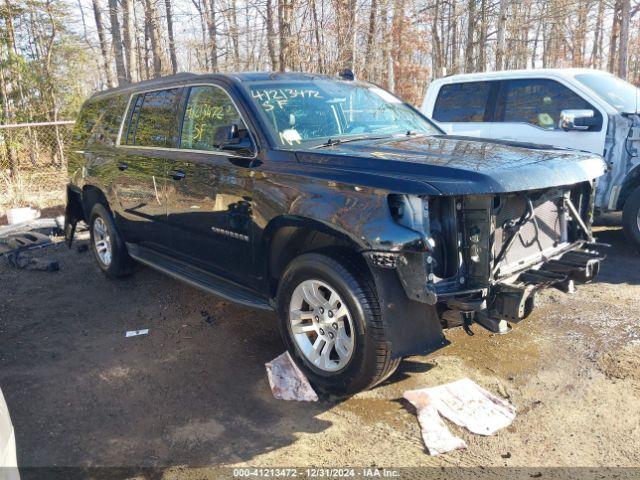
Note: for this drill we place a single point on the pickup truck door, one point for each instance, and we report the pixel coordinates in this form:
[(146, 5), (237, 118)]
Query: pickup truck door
[(209, 191), (528, 110)]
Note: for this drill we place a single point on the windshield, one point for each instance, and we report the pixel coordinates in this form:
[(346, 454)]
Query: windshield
[(313, 112), (616, 92)]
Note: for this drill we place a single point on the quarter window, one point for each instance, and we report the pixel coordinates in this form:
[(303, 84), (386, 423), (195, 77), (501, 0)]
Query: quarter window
[(538, 102), (207, 109), (153, 119), (462, 102)]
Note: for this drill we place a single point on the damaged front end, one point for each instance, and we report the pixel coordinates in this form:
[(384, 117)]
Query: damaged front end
[(488, 255)]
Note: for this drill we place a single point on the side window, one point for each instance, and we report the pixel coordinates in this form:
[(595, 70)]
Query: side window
[(207, 109), (106, 129), (153, 121), (538, 102), (462, 102)]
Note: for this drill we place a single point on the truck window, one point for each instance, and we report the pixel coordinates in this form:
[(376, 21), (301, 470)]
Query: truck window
[(462, 102), (153, 119), (207, 109), (538, 102)]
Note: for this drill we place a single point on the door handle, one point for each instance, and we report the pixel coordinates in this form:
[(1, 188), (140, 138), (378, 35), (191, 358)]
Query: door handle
[(177, 174), (123, 166)]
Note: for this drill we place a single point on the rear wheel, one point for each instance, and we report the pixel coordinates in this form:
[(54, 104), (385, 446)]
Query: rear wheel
[(631, 217), (108, 247), (330, 321)]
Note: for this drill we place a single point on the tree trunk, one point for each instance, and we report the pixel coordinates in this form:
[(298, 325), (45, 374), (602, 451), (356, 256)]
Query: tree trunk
[(316, 28), (468, 55), (172, 43), (234, 33), (596, 52), (116, 40), (271, 37), (613, 43), (623, 52), (127, 24), (152, 22), (103, 42), (368, 57), (210, 9), (502, 20)]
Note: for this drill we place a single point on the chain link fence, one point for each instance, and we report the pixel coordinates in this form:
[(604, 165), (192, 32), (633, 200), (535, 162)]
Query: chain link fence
[(33, 165)]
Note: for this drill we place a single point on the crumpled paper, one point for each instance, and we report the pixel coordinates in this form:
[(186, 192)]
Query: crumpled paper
[(287, 380), (464, 403)]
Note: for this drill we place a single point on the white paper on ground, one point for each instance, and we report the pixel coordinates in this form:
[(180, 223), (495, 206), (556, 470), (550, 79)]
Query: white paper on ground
[(135, 333), (465, 404), (287, 380)]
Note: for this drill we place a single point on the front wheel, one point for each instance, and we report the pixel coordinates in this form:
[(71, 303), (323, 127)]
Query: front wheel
[(631, 217), (330, 321)]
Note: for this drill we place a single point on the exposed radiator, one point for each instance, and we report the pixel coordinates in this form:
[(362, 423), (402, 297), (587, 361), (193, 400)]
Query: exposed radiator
[(540, 234)]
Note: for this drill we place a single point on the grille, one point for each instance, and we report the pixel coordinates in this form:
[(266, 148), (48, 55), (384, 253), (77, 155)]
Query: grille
[(541, 235)]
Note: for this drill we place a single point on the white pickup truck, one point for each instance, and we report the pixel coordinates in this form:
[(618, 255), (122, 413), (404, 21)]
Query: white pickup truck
[(579, 109)]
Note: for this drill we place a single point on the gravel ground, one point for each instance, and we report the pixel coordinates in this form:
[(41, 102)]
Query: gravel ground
[(194, 394)]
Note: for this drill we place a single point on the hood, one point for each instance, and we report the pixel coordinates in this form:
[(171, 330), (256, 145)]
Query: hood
[(460, 165)]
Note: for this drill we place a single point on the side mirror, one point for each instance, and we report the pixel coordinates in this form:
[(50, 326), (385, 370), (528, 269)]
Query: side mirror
[(226, 134), (231, 138), (577, 120)]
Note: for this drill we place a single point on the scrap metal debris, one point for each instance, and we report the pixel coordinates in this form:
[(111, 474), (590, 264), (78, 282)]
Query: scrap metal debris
[(23, 261), (135, 333), (464, 403), (287, 380)]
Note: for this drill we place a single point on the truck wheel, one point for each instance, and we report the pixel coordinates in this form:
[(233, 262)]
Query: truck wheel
[(631, 217), (108, 247), (330, 322)]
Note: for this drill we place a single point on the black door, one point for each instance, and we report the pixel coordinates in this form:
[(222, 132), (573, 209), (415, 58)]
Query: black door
[(140, 189), (209, 190)]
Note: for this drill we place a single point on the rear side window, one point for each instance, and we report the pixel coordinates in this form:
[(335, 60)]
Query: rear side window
[(538, 102), (153, 121), (99, 121), (207, 109), (462, 102)]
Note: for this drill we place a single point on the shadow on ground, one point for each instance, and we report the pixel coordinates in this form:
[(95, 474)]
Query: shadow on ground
[(194, 391)]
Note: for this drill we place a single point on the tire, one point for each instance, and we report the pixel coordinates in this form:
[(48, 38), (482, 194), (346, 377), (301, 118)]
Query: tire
[(369, 361), (631, 217), (105, 237)]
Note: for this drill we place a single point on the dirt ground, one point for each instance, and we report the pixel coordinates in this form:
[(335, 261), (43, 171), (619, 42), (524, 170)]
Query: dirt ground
[(193, 393)]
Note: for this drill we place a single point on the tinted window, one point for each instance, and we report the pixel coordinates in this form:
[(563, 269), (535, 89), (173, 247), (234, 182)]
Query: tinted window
[(155, 125), (99, 121), (207, 109), (462, 102), (537, 102)]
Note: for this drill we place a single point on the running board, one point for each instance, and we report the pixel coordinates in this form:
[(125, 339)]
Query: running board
[(198, 278)]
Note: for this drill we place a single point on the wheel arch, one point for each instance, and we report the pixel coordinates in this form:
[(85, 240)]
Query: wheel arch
[(631, 182), (286, 238)]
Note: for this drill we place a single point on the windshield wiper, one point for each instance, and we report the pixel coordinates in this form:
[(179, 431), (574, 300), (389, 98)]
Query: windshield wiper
[(337, 141)]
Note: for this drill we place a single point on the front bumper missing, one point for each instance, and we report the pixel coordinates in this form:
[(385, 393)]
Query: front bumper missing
[(513, 300)]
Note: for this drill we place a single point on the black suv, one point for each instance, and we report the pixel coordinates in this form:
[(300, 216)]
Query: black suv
[(333, 203)]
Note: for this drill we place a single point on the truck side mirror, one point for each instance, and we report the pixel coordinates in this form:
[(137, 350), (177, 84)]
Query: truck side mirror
[(232, 138), (577, 120)]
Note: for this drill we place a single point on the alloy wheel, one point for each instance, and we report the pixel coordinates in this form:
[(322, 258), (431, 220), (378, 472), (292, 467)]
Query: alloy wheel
[(321, 325), (102, 241)]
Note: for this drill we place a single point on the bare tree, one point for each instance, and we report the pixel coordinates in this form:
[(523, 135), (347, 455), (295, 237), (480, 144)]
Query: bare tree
[(116, 40), (97, 14), (172, 42)]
